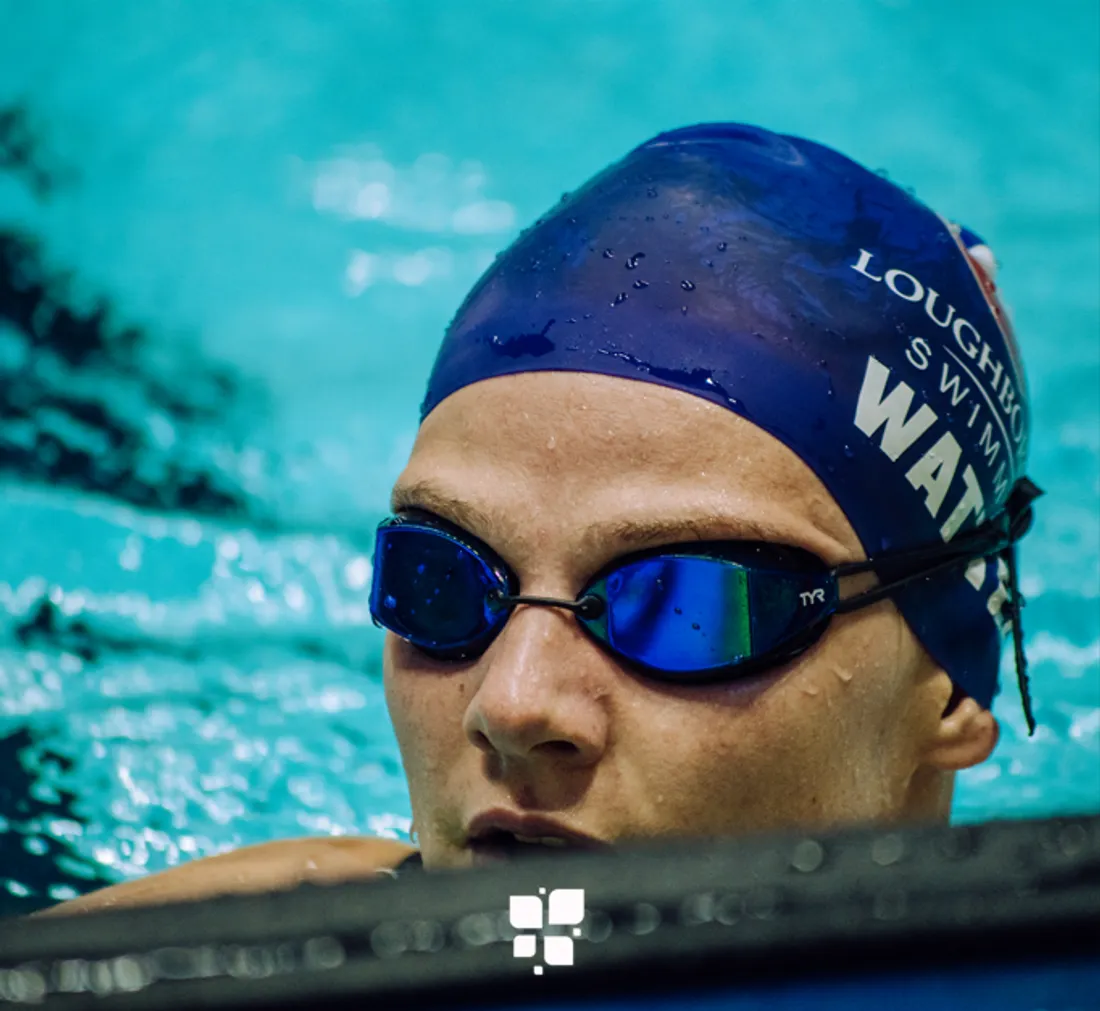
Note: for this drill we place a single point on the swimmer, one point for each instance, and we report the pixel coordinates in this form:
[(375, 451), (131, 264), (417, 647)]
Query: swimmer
[(708, 528)]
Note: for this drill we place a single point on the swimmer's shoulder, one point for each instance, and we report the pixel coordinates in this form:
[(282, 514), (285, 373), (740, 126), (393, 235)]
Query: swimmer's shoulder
[(265, 867)]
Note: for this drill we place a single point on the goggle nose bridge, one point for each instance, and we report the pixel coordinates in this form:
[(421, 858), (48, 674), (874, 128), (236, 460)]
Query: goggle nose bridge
[(589, 606)]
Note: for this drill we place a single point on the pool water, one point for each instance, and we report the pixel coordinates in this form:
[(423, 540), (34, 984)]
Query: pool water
[(230, 238)]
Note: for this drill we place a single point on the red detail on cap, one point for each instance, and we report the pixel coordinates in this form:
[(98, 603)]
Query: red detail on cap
[(993, 300)]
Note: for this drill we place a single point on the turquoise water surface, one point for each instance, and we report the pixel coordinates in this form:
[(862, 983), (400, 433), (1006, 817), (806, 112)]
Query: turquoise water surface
[(278, 204)]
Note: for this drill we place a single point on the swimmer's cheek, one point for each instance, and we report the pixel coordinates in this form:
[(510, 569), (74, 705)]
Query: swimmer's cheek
[(267, 867)]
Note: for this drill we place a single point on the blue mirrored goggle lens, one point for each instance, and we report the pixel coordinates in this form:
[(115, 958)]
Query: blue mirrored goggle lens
[(677, 614), (431, 589), (680, 614)]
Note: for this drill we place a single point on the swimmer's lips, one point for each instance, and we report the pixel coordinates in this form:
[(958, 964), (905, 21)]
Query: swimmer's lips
[(499, 835)]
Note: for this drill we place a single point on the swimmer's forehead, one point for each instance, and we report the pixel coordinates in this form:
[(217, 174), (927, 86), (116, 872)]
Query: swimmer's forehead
[(627, 466)]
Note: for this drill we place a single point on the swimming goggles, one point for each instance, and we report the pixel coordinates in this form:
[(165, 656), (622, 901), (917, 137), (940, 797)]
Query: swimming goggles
[(693, 613)]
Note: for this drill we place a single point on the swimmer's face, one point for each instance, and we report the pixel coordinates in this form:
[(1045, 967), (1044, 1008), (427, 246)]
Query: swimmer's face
[(562, 472)]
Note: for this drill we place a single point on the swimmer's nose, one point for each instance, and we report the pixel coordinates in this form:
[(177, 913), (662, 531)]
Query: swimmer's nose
[(538, 698)]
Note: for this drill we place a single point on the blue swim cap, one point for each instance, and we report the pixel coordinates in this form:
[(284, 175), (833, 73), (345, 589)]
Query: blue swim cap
[(828, 306)]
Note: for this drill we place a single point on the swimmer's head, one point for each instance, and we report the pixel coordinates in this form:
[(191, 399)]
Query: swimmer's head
[(729, 335)]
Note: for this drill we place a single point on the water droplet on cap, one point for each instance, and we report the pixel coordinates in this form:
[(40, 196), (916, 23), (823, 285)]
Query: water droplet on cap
[(608, 254), (687, 285), (641, 284), (723, 246), (619, 299), (632, 261)]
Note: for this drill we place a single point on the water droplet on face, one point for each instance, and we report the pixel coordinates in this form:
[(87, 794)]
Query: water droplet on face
[(608, 254), (687, 285), (551, 442), (641, 284), (619, 299), (632, 261), (723, 246)]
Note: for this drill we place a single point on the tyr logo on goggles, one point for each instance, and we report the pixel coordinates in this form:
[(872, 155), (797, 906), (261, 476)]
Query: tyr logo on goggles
[(688, 613)]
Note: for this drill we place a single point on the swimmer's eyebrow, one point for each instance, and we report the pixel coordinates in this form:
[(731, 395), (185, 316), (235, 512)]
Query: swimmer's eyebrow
[(426, 496), (628, 533)]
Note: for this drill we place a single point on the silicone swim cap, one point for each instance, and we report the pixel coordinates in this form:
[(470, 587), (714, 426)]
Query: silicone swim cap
[(828, 306)]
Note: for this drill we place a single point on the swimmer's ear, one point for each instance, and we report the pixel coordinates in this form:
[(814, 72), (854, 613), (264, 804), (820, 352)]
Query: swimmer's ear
[(965, 736)]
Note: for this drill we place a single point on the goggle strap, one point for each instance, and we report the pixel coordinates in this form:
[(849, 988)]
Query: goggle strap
[(884, 590), (979, 543), (998, 537), (1016, 608), (990, 538)]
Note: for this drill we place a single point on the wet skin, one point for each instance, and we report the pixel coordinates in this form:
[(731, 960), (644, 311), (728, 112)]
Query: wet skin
[(562, 472)]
